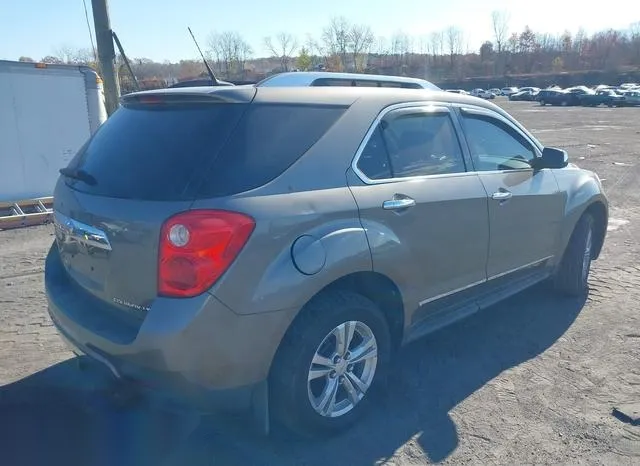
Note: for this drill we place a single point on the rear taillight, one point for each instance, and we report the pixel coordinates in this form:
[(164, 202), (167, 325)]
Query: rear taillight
[(197, 247)]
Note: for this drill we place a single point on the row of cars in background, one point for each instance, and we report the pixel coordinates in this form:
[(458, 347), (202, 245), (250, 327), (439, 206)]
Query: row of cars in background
[(627, 94), (488, 93)]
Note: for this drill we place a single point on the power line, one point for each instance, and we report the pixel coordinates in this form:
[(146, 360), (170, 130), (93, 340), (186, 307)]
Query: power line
[(93, 47)]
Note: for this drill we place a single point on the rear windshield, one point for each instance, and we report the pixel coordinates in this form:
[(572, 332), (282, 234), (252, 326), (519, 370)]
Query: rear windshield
[(151, 152), (171, 152)]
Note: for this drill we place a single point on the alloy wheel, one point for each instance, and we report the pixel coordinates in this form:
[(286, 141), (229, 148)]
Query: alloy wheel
[(342, 369)]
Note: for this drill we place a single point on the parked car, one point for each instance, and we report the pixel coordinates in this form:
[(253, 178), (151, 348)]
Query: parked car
[(483, 94), (496, 91), (580, 90), (557, 97), (527, 95), (602, 87), (631, 98), (507, 91), (606, 97), (270, 248)]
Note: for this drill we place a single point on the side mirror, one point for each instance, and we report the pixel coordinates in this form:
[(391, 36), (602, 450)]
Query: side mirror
[(552, 158)]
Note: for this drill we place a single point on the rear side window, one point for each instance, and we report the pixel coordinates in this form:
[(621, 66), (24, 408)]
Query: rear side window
[(324, 82), (151, 152), (374, 161), (412, 144), (267, 141)]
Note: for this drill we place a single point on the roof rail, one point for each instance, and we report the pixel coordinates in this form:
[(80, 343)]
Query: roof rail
[(308, 78)]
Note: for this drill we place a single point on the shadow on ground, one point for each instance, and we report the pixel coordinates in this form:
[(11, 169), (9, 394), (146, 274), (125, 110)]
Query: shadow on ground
[(61, 417)]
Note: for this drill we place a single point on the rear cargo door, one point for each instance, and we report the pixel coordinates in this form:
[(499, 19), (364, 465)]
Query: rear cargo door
[(133, 175)]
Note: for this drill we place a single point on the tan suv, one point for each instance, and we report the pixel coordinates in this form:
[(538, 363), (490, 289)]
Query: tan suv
[(270, 247)]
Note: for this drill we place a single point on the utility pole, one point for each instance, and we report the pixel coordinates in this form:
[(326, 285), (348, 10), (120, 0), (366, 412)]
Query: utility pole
[(106, 54)]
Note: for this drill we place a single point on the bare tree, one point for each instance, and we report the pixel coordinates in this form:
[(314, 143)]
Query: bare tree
[(634, 39), (317, 51), (399, 51), (283, 47), (84, 56), (66, 53), (437, 44), (361, 39), (454, 40), (231, 52), (381, 50), (500, 23), (337, 39), (381, 45), (73, 55)]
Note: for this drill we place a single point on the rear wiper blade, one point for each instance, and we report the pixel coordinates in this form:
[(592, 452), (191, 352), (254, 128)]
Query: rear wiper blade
[(78, 174)]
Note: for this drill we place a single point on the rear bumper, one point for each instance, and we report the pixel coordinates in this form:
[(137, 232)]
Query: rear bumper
[(168, 387), (193, 350)]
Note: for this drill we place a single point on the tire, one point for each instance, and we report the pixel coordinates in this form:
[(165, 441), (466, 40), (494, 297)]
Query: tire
[(543, 103), (573, 273), (313, 332)]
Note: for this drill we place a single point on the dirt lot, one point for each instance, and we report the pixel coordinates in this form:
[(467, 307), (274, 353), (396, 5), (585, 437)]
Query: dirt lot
[(533, 380)]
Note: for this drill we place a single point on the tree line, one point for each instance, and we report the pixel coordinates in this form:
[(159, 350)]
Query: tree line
[(442, 55)]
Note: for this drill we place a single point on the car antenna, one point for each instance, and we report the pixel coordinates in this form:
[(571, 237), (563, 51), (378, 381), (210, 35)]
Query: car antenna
[(209, 70)]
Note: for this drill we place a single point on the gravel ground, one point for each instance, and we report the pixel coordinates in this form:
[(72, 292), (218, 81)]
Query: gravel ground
[(532, 380)]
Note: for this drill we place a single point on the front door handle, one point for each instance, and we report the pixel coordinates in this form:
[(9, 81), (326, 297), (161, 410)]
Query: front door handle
[(501, 195), (398, 203)]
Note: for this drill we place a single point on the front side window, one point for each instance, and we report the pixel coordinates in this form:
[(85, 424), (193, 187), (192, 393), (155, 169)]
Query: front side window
[(495, 145)]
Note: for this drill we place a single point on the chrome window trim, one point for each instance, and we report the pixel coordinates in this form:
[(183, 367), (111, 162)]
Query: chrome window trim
[(486, 280), (426, 107)]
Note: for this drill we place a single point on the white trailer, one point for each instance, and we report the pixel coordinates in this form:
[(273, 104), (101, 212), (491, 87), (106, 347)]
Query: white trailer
[(47, 112)]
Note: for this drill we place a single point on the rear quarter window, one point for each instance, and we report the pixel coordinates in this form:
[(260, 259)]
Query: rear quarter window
[(265, 143), (327, 82)]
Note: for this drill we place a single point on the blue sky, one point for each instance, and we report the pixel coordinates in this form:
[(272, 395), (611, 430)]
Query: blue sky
[(157, 29)]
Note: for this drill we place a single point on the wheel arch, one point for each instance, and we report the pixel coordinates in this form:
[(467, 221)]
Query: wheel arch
[(374, 286), (382, 291), (598, 211), (597, 208)]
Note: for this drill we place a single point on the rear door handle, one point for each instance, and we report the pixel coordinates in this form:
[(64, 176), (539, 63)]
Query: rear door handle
[(400, 203), (501, 195)]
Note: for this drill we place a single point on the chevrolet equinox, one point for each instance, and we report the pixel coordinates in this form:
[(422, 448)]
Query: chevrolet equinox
[(270, 248)]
